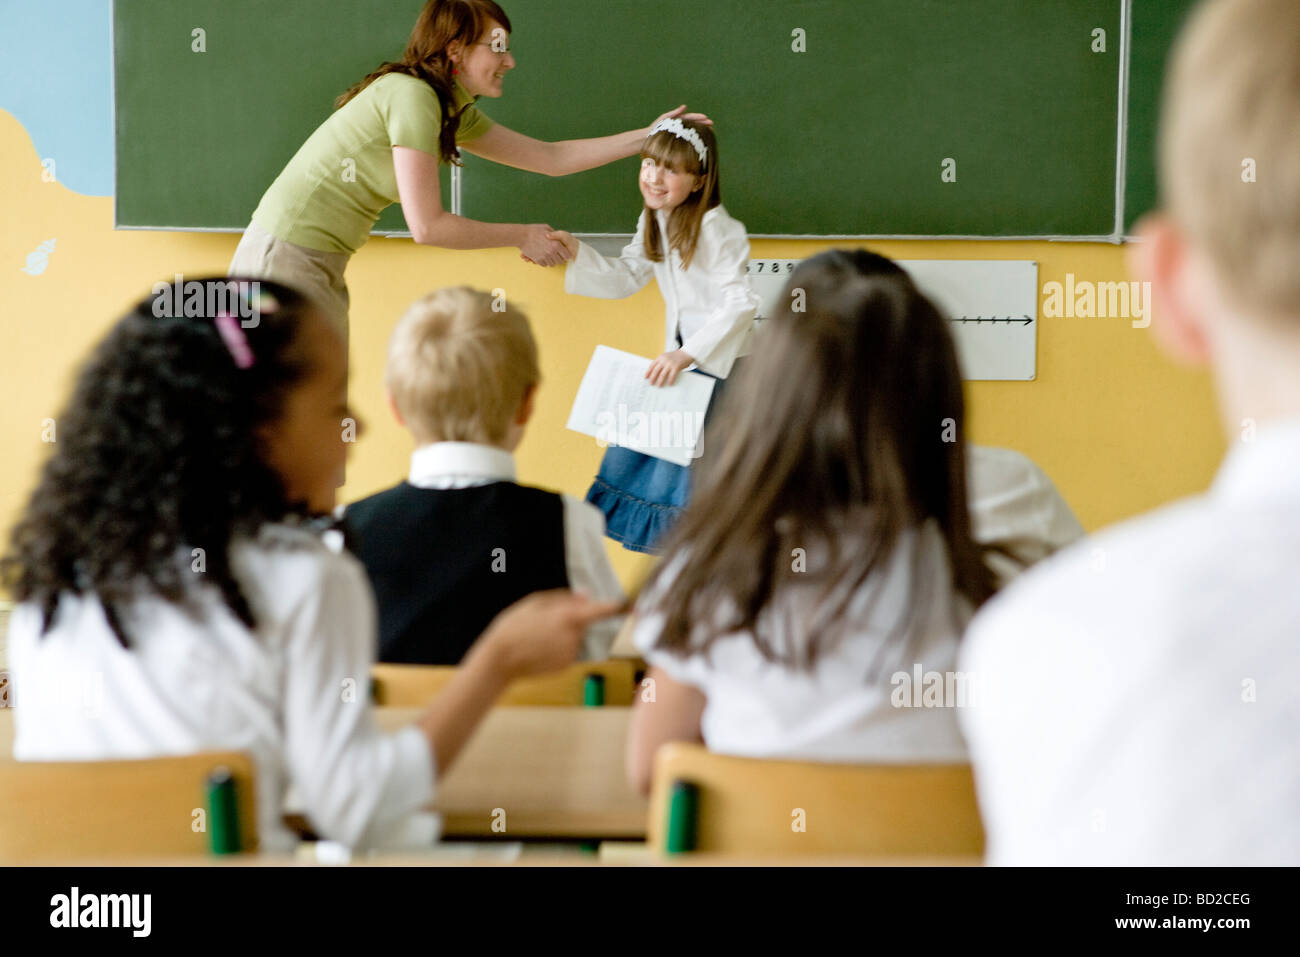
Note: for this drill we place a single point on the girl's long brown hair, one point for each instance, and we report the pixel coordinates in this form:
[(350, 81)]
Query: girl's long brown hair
[(441, 23), (845, 430), (684, 223)]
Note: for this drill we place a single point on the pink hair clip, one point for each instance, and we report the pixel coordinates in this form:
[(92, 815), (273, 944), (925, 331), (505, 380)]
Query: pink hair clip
[(236, 342)]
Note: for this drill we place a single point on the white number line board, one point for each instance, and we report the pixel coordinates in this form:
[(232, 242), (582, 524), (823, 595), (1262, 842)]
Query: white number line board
[(991, 304)]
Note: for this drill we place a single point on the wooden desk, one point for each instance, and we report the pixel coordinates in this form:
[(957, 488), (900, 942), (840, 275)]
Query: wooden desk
[(554, 772)]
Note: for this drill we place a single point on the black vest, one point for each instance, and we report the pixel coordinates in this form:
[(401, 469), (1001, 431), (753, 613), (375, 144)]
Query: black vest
[(444, 562)]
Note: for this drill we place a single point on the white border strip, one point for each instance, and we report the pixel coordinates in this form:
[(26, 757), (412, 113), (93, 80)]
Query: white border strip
[(1121, 124), (405, 234), (908, 237)]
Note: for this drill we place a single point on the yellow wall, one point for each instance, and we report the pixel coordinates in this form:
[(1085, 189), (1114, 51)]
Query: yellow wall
[(1118, 428)]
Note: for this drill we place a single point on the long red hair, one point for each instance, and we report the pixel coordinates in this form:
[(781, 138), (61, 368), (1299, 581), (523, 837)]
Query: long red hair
[(440, 24)]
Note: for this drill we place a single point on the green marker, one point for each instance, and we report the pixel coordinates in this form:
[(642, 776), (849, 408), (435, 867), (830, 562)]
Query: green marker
[(683, 812), (593, 691), (223, 812)]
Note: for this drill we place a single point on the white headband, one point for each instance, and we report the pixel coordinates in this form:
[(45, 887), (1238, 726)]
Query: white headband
[(679, 130)]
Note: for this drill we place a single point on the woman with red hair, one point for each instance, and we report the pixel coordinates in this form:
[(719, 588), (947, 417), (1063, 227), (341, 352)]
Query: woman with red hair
[(384, 143)]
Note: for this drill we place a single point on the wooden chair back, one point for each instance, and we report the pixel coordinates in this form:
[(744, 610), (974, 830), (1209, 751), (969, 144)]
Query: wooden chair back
[(759, 808), (412, 686), (114, 810)]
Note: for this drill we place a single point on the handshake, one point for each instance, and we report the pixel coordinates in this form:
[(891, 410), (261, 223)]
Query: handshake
[(544, 246)]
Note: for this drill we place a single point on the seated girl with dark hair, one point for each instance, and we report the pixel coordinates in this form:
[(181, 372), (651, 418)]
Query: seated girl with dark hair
[(174, 598)]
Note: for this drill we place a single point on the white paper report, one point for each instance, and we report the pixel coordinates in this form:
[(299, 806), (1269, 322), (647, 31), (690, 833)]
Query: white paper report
[(618, 406)]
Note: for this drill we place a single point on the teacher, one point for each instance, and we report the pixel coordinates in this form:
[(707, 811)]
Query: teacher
[(384, 143)]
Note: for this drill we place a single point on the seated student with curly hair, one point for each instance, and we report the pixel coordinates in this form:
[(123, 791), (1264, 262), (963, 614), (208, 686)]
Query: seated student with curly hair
[(164, 558)]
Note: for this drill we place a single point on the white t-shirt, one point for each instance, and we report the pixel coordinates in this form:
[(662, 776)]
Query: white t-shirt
[(1015, 507), (294, 693), (756, 708), (1141, 701)]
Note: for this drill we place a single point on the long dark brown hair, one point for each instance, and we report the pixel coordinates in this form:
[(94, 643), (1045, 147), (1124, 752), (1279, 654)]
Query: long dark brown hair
[(846, 429), (684, 223), (441, 23)]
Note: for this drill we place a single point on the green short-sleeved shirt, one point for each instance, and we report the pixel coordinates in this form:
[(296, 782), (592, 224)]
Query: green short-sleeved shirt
[(320, 200)]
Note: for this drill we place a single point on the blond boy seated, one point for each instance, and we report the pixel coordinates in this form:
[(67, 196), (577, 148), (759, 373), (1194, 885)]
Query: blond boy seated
[(460, 539)]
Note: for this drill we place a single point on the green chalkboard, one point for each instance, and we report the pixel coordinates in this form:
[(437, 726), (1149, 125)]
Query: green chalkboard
[(1155, 24), (847, 138), (201, 135)]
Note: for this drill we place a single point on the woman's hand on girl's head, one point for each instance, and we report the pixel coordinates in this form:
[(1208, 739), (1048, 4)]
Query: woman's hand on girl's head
[(679, 113), (540, 249), (542, 632), (665, 369)]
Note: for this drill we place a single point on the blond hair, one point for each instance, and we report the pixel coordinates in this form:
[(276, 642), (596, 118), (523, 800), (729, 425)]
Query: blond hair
[(460, 362), (1231, 114)]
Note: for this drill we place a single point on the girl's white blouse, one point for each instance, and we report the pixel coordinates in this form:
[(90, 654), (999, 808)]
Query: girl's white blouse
[(861, 701), (712, 303), (294, 693)]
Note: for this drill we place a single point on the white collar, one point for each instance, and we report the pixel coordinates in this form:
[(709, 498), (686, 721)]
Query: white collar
[(439, 460), (1264, 466)]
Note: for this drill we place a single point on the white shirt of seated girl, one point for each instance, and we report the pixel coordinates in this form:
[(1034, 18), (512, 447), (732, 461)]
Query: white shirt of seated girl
[(835, 712), (294, 693), (711, 303)]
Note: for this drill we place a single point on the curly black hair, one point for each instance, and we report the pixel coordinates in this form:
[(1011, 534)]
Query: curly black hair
[(157, 452)]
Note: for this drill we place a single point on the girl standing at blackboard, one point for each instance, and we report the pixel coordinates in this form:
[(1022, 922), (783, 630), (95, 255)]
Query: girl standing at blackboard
[(384, 143), (699, 255)]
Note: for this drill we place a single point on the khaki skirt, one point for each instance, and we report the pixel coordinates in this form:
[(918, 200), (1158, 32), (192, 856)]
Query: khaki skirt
[(313, 272)]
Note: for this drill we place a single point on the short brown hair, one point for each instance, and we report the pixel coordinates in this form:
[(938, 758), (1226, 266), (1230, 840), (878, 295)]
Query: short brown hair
[(460, 362), (1232, 96)]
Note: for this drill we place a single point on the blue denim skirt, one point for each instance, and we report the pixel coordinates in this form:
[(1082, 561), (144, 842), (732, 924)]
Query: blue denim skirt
[(642, 496)]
